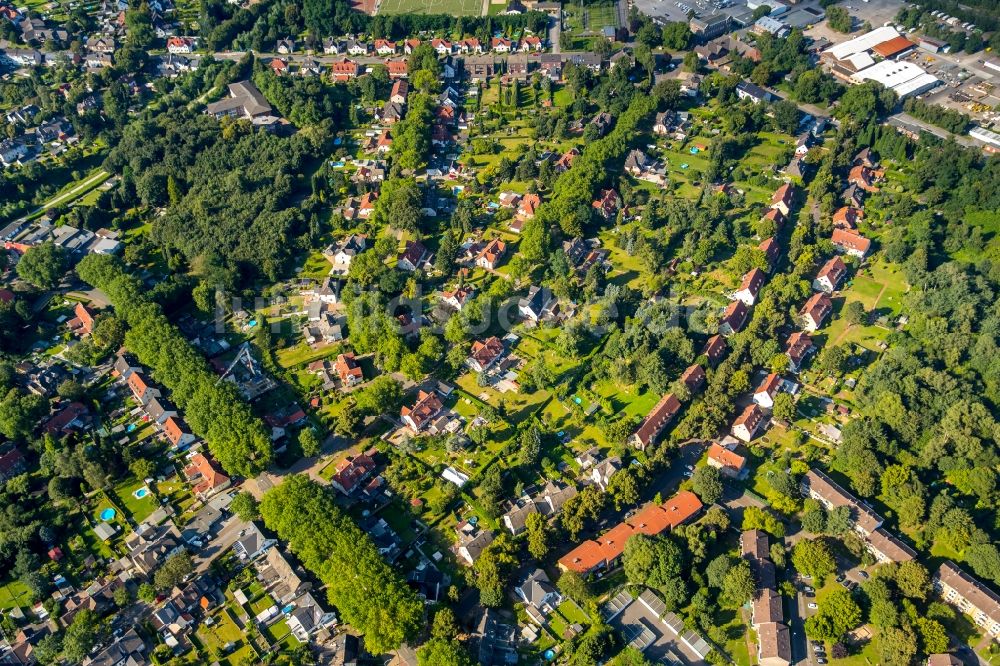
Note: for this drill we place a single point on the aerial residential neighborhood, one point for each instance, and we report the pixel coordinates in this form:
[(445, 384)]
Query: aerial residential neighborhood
[(621, 332)]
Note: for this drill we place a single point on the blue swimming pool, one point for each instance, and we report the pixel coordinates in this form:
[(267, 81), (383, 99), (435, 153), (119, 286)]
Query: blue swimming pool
[(108, 514), (131, 427), (549, 655), (141, 492)]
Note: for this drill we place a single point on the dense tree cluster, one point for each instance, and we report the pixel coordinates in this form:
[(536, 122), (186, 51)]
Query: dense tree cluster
[(370, 595), (214, 410), (229, 190)]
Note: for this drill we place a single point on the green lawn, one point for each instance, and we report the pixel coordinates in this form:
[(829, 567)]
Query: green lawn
[(14, 594), (138, 507), (450, 7)]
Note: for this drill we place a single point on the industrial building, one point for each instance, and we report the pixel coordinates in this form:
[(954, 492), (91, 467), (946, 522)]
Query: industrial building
[(874, 56)]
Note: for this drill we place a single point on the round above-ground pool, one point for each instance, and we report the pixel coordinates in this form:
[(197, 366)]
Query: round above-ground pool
[(141, 492), (108, 514), (549, 655)]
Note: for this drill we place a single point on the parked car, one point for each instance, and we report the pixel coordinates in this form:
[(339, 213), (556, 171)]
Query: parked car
[(814, 607), (820, 660), (864, 574), (807, 588)]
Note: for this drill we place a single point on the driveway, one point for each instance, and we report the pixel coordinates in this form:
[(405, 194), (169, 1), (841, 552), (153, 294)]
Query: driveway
[(222, 542)]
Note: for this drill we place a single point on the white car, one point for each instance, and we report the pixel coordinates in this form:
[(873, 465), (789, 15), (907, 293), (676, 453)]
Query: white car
[(813, 605)]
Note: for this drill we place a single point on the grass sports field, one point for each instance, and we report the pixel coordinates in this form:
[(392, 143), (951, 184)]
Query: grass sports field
[(451, 7)]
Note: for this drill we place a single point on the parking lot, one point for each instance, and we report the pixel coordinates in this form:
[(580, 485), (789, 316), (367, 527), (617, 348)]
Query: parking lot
[(645, 624)]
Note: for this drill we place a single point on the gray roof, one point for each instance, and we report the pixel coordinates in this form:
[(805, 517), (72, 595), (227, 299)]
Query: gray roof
[(243, 97)]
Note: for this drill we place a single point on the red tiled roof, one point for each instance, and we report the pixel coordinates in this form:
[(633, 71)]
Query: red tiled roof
[(658, 418), (427, 405), (201, 467), (653, 519), (783, 194), (725, 457), (735, 315), (714, 348), (798, 345), (750, 418), (817, 308), (894, 46), (347, 367), (694, 377), (174, 429), (770, 249), (770, 385), (833, 270), (849, 240), (351, 471), (753, 281), (487, 351), (86, 319)]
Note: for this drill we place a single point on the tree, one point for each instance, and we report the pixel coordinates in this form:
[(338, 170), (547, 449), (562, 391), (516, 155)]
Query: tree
[(142, 468), (813, 557), (855, 314), (933, 636), (147, 592), (814, 519), (630, 656), (444, 625), (838, 614), (624, 488), (70, 389), (838, 19), (913, 580), (441, 652), (538, 536), (122, 597), (784, 407), (80, 637), (172, 572), (755, 518), (786, 115), (896, 647), (717, 570), (20, 412), (739, 585), (572, 585), (381, 395), (245, 506), (492, 569), (707, 484), (370, 595), (309, 442), (43, 265)]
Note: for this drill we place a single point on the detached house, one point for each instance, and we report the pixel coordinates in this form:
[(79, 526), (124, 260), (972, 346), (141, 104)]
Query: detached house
[(252, 543), (352, 472), (485, 354), (733, 318), (414, 256), (851, 243), (458, 297), (208, 480), (750, 287), (728, 462), (847, 217), (348, 370), (864, 178), (830, 276), (308, 618), (607, 204), (539, 596), (783, 198), (768, 389), (749, 422), (177, 433), (694, 378), (428, 406), (344, 70), (816, 310), (798, 348), (489, 257), (714, 349)]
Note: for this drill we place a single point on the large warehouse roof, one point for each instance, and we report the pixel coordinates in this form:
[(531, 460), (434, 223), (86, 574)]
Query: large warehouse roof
[(865, 42)]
